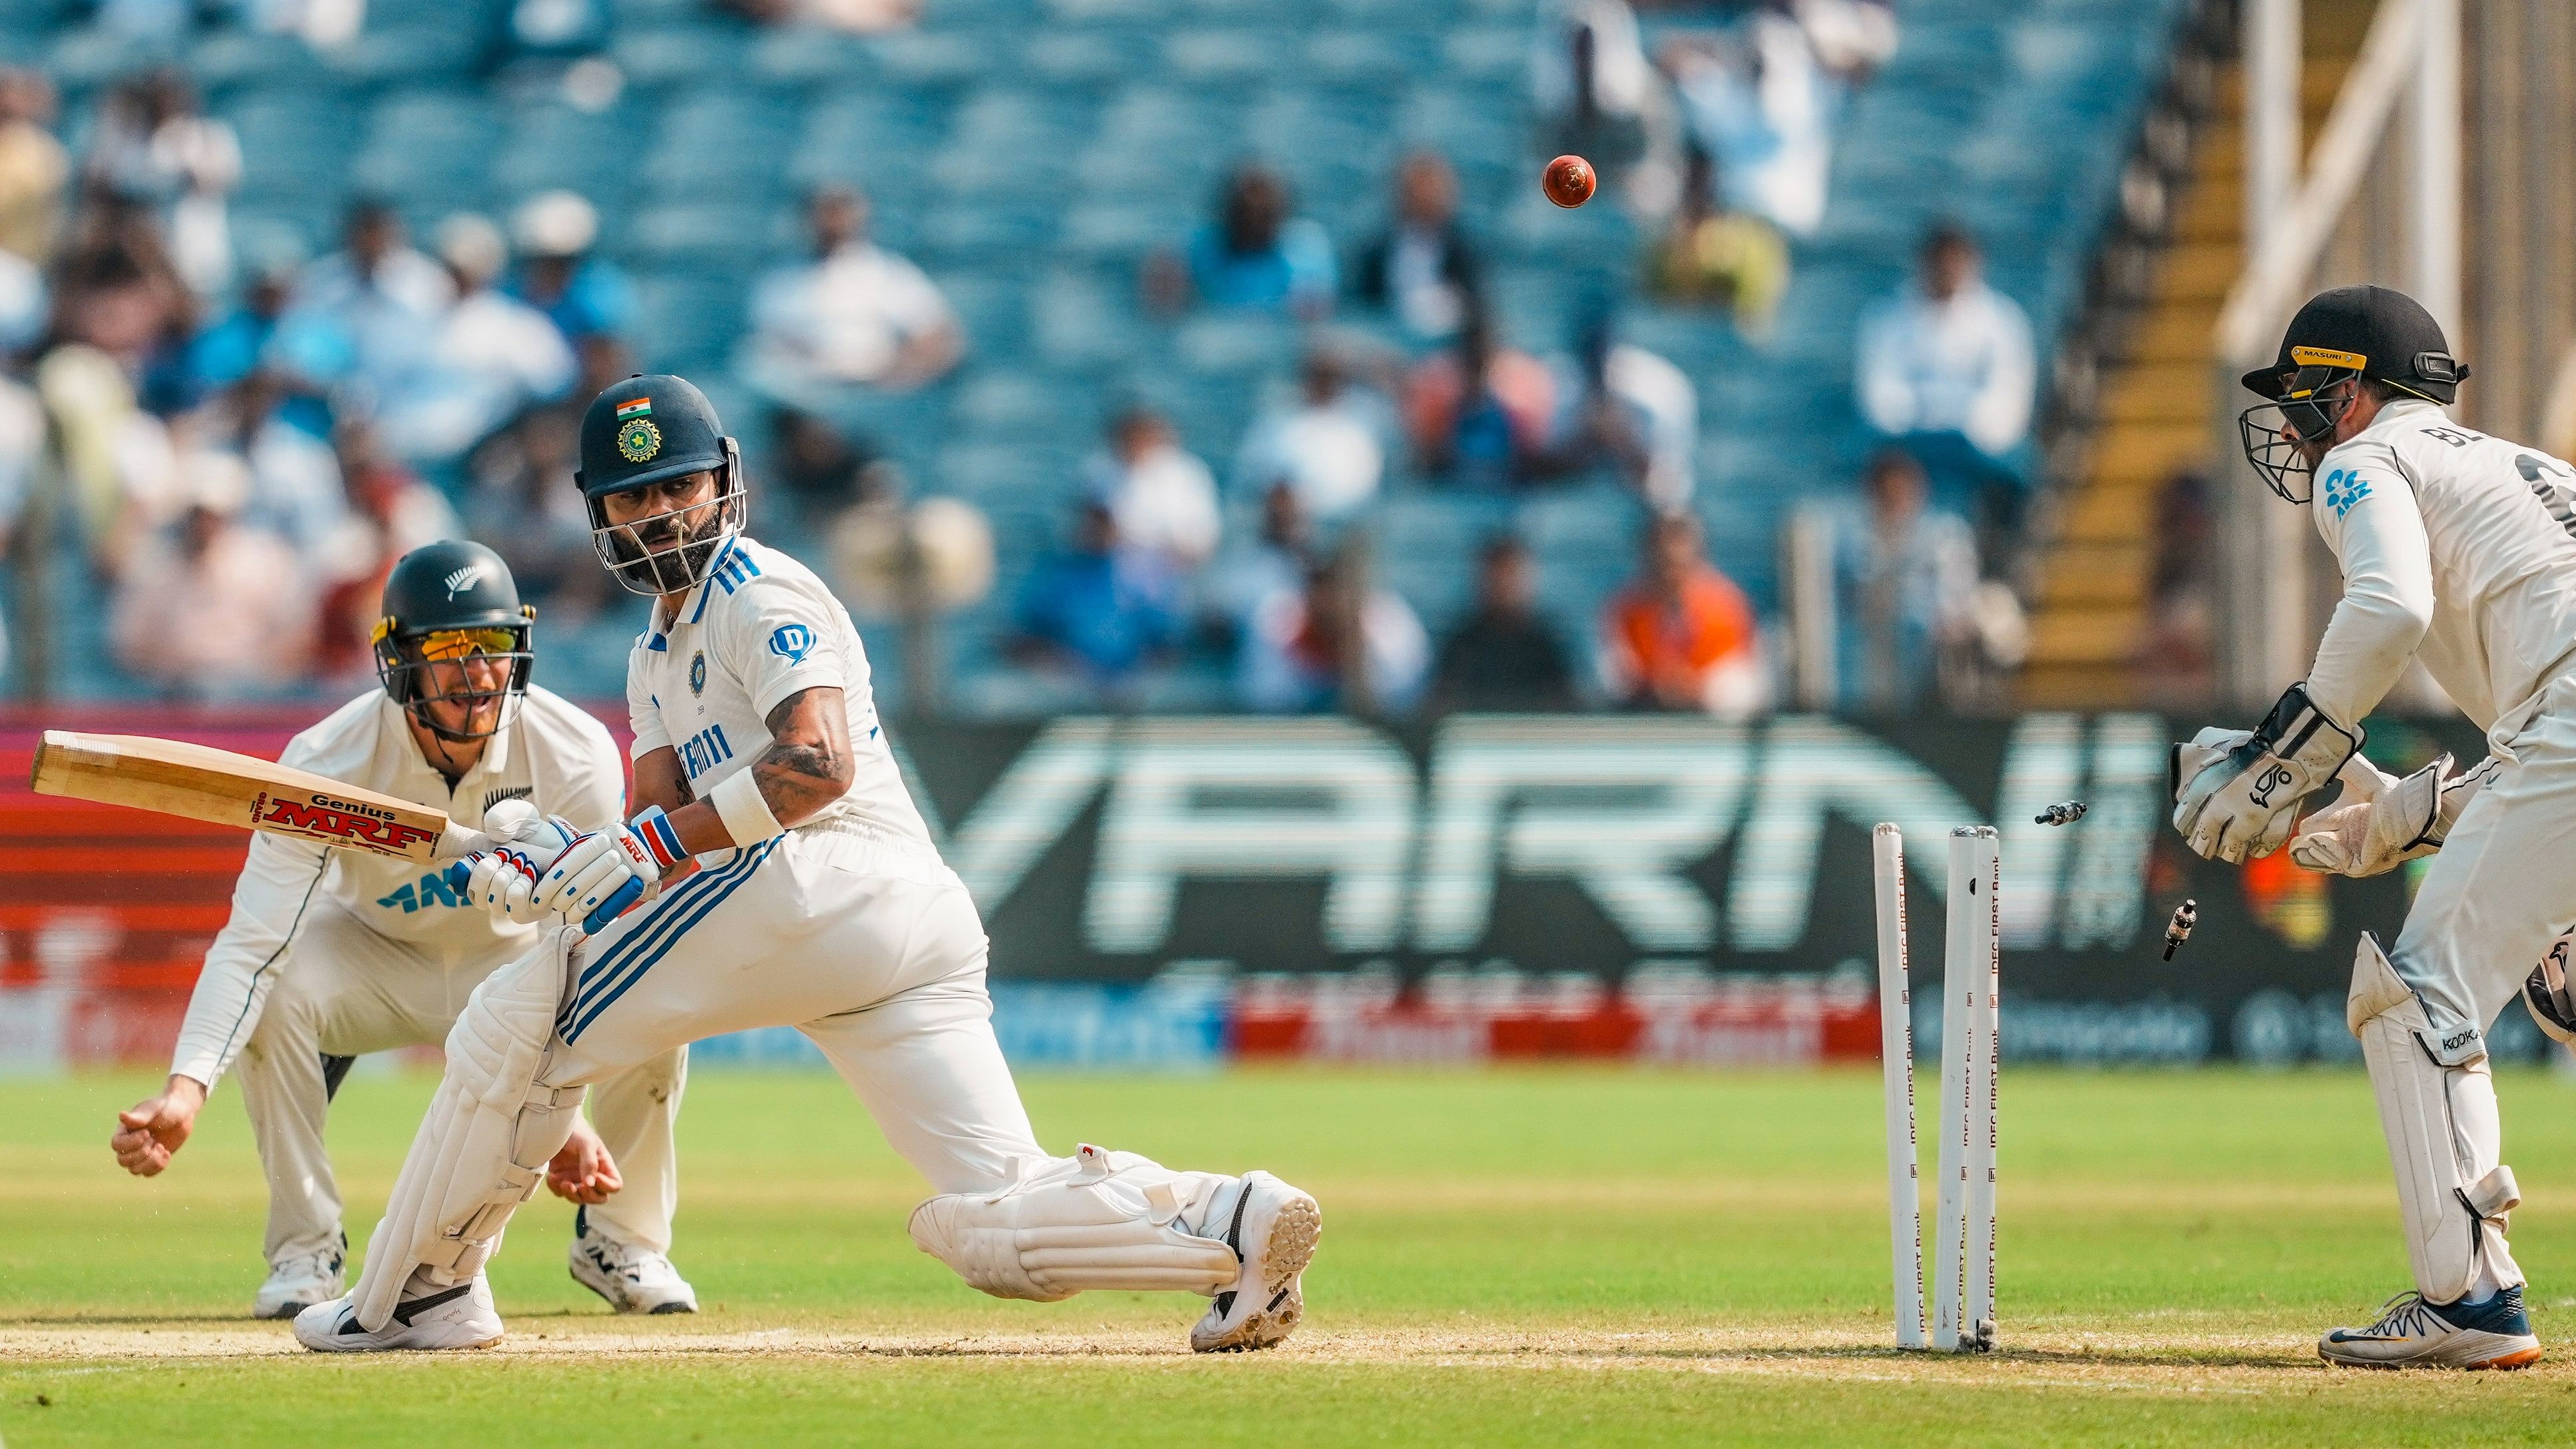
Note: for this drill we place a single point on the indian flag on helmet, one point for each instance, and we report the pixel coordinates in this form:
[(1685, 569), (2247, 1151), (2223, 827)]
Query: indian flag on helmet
[(641, 407)]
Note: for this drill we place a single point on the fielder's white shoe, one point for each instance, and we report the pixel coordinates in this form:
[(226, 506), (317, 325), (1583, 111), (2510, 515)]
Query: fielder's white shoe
[(2411, 1333), (458, 1317), (297, 1283), (1272, 1228), (633, 1280)]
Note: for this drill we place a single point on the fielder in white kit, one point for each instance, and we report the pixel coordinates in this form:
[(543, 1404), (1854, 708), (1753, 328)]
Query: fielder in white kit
[(818, 901), (2456, 550), (330, 954)]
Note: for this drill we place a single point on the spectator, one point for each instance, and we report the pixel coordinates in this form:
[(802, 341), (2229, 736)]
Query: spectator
[(1504, 657), (1757, 101), (1851, 38), (116, 291), (2176, 660), (861, 17), (1251, 569), (390, 513), (856, 316), (383, 296), (157, 149), (23, 303), (213, 608), (827, 472), (1634, 412), (33, 166), (1324, 447), (584, 295), (1478, 414), (1335, 642), (1598, 97), (1947, 372), (491, 355), (294, 490), (1905, 578), (1681, 636), (520, 501), (1714, 256), (1423, 269), (1100, 609), (303, 349), (1163, 498), (1257, 256)]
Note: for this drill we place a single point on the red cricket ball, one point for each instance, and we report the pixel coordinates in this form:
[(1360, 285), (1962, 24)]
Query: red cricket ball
[(1569, 181)]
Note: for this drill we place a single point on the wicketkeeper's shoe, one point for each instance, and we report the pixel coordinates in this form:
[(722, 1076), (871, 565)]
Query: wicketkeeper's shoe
[(1272, 1228), (458, 1317), (297, 1283), (2492, 1333), (632, 1279)]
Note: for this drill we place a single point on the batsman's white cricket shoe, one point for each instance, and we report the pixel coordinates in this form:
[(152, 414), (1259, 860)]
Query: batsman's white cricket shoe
[(458, 1317), (297, 1283), (2492, 1333), (1272, 1228), (633, 1280)]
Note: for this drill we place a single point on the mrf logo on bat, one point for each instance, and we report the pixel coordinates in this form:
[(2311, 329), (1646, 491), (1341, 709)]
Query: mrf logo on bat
[(325, 818)]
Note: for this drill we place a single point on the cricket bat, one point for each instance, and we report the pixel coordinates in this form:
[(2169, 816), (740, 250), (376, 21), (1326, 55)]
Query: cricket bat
[(199, 782)]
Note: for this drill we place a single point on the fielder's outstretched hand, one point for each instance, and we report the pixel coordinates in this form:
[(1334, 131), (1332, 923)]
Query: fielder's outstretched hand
[(152, 1130), (583, 1171)]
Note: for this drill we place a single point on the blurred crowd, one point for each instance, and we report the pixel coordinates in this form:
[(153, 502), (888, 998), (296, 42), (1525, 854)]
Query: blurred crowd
[(237, 438)]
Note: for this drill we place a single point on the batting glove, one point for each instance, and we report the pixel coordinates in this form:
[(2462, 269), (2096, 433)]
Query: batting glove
[(601, 874), (503, 880), (2393, 821), (2245, 802)]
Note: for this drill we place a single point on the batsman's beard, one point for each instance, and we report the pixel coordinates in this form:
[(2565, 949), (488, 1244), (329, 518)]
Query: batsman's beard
[(668, 553)]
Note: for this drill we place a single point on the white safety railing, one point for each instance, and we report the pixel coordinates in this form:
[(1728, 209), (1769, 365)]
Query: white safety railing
[(2306, 227)]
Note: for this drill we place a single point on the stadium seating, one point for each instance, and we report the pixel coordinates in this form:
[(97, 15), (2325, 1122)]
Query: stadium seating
[(1031, 153)]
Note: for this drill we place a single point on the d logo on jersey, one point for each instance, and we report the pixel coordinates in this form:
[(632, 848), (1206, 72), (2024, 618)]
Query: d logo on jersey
[(791, 642)]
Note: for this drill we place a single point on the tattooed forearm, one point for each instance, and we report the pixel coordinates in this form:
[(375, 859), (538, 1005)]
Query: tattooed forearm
[(808, 764)]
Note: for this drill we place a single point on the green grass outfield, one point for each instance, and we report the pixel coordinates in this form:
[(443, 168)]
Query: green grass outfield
[(1522, 1257)]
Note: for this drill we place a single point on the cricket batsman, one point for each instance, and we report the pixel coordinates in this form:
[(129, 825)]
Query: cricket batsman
[(330, 954), (817, 900), (2455, 549)]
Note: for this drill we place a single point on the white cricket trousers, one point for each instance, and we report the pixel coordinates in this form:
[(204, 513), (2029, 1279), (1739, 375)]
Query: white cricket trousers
[(868, 944), (2503, 886), (349, 990)]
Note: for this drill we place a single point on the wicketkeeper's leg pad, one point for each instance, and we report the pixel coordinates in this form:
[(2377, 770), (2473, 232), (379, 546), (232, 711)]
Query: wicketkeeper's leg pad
[(2437, 1105), (1100, 1219), (484, 1144)]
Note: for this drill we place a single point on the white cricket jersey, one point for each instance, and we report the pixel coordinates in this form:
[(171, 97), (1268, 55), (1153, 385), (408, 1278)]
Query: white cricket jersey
[(2455, 546), (761, 628), (550, 754)]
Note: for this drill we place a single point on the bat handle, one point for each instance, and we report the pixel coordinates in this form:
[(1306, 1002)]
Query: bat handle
[(613, 907), (457, 842)]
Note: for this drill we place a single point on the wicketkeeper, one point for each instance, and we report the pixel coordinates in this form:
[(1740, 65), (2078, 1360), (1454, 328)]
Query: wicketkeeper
[(330, 954), (2456, 550)]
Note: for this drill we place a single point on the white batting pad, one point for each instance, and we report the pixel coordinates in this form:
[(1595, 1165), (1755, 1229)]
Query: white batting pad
[(2438, 1107), (483, 1147), (1099, 1219)]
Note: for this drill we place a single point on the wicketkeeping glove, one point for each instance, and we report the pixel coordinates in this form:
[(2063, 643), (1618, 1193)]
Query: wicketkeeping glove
[(2392, 820), (2545, 995), (601, 874), (2245, 802)]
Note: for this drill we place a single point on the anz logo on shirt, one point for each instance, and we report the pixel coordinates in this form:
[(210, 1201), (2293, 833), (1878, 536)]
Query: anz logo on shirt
[(433, 889), (2344, 488), (705, 750)]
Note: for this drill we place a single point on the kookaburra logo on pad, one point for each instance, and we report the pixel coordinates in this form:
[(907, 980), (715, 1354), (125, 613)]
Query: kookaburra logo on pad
[(465, 578)]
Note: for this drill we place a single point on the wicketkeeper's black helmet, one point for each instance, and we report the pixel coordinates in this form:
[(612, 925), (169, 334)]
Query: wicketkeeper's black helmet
[(2371, 333), (648, 430), (446, 603)]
